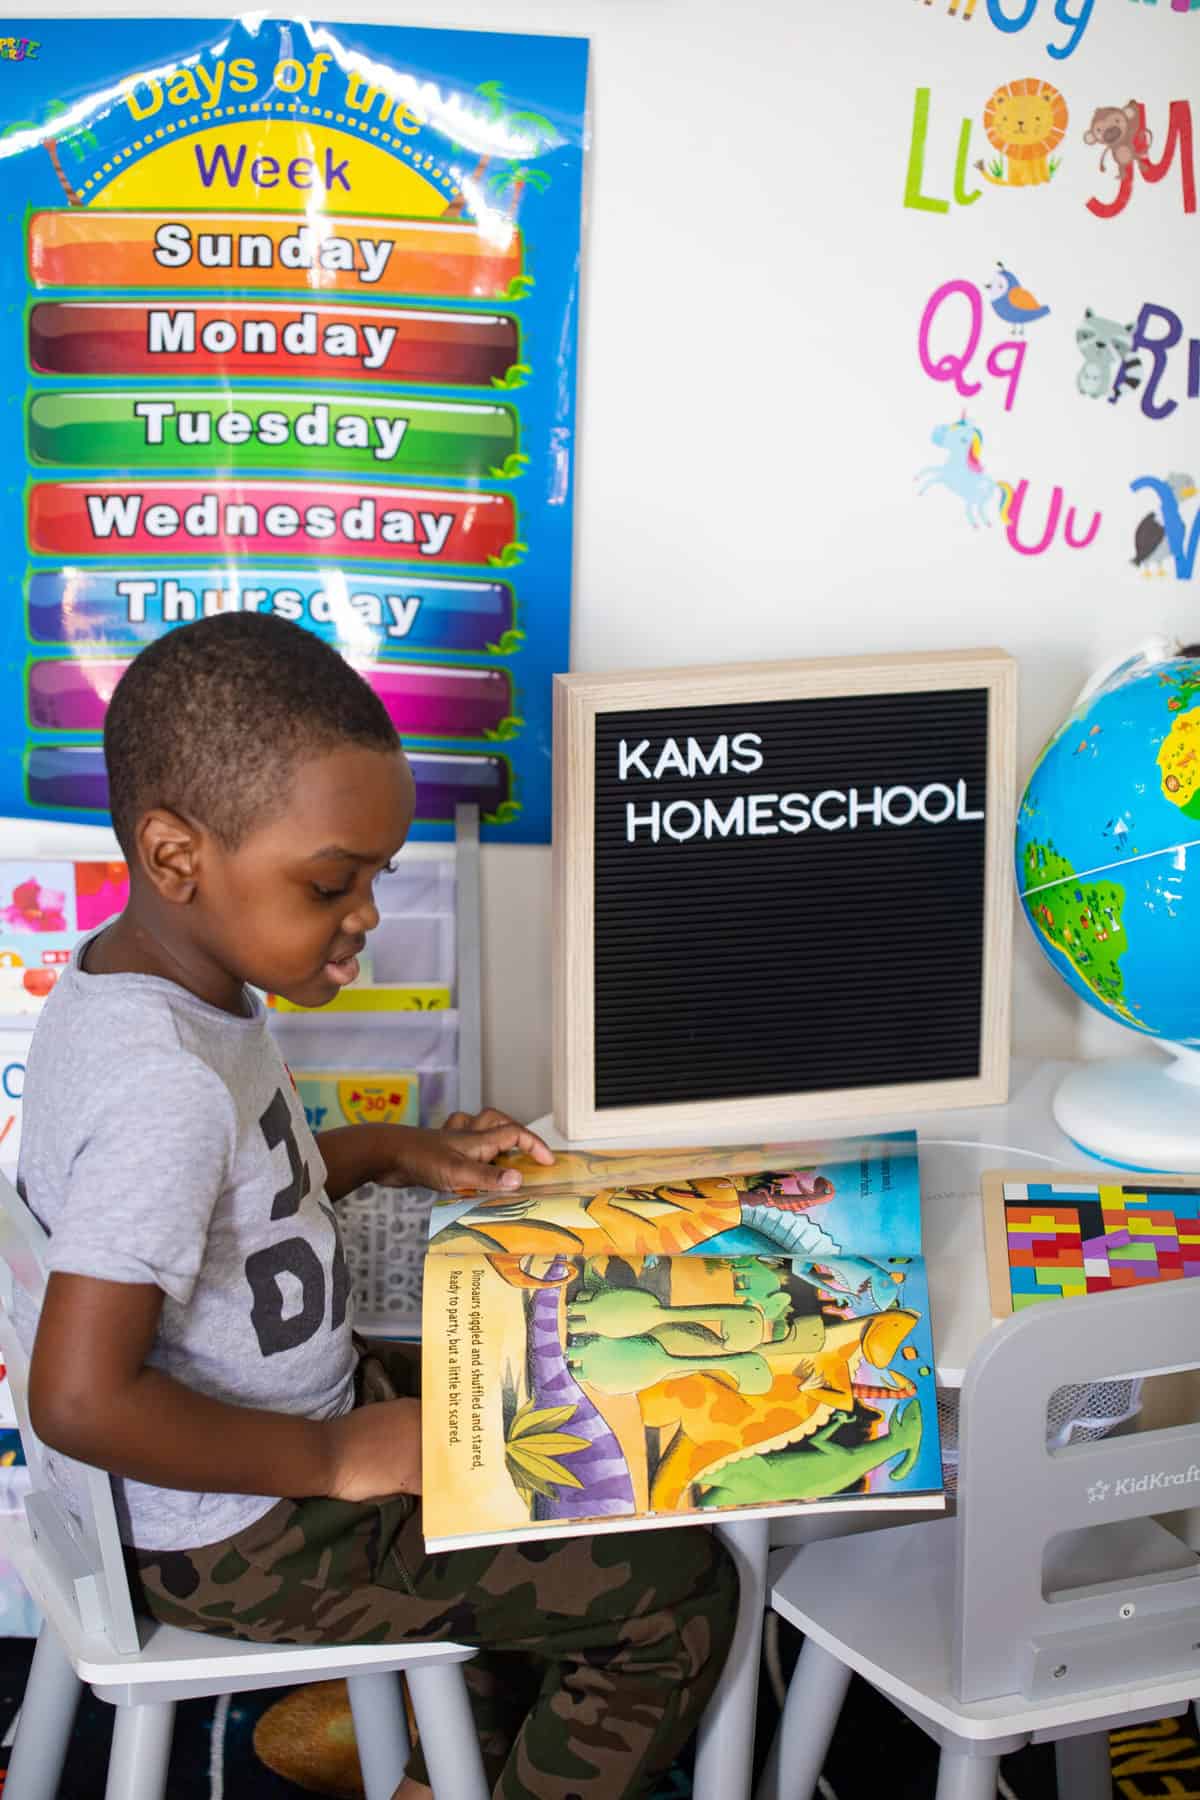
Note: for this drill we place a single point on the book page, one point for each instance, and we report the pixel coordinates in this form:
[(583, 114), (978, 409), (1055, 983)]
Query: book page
[(814, 1201), (579, 1376)]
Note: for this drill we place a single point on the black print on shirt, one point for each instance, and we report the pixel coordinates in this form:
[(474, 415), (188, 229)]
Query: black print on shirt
[(292, 1256), (275, 1332), (276, 1125)]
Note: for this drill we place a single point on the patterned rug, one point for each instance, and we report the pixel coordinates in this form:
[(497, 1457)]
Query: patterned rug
[(875, 1752)]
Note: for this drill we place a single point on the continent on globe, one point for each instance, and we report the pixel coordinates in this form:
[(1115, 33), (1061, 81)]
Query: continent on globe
[(1179, 760), (1081, 919)]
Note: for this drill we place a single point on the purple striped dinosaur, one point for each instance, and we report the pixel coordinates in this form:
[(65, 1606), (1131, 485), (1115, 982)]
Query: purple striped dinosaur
[(607, 1488)]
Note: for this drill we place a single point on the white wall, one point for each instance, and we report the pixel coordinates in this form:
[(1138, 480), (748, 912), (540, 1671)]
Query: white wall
[(753, 287), (752, 412)]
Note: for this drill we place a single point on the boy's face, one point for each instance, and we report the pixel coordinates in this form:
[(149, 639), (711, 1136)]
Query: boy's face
[(290, 908)]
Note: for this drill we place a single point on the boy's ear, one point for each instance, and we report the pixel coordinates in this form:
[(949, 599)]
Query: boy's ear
[(169, 852)]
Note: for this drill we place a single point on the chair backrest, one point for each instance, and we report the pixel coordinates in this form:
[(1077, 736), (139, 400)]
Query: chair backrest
[(1065, 1584), (81, 1556)]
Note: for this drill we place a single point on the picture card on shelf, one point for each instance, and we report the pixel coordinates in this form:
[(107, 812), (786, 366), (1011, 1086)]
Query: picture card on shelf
[(332, 1098), (46, 906), (373, 997)]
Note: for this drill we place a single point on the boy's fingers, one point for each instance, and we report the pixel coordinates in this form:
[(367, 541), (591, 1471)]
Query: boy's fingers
[(506, 1134), (463, 1172), (490, 1117), (491, 1120)]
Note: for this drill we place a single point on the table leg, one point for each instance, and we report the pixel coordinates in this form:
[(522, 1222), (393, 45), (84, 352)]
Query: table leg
[(725, 1741)]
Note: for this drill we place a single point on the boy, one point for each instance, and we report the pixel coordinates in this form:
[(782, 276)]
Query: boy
[(196, 1337)]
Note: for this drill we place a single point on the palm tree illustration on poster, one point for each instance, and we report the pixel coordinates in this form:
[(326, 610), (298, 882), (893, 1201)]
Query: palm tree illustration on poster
[(296, 304), (1049, 176)]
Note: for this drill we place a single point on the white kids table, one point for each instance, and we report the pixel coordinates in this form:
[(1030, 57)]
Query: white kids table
[(956, 1148)]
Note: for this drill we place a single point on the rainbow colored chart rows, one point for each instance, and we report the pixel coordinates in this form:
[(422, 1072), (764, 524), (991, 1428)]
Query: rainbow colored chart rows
[(382, 519), (1087, 1241)]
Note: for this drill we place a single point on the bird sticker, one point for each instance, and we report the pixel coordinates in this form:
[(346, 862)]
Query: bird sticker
[(1151, 546), (1013, 304)]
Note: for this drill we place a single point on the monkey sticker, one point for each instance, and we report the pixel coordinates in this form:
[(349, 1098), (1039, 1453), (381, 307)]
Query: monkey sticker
[(1122, 134)]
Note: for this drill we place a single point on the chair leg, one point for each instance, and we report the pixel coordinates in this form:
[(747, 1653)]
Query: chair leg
[(810, 1715), (962, 1776), (141, 1750), (380, 1731), (47, 1717), (447, 1728), (725, 1735), (1084, 1767)]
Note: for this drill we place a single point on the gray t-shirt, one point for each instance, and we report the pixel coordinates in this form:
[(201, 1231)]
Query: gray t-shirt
[(163, 1141)]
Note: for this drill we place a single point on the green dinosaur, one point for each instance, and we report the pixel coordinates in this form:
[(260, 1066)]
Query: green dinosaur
[(761, 1284), (713, 1332), (816, 1468), (632, 1312), (627, 1365)]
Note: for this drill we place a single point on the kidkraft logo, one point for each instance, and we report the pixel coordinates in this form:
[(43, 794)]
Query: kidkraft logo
[(19, 49), (1142, 1484)]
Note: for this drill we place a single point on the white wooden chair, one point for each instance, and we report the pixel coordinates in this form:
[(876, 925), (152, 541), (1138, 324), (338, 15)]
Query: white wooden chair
[(1054, 1607), (91, 1635)]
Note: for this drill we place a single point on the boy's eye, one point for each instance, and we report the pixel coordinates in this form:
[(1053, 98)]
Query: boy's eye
[(340, 893)]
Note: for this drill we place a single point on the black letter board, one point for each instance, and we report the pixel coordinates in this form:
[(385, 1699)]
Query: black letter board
[(782, 891)]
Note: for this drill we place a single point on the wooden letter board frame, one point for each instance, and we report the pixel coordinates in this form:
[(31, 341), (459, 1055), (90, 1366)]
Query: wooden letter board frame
[(579, 699)]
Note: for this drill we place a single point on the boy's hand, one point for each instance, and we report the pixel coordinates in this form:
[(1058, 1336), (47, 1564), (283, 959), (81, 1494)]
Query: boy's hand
[(458, 1155), (377, 1451)]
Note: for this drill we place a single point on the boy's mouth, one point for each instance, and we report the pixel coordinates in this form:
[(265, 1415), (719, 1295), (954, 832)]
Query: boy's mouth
[(342, 970)]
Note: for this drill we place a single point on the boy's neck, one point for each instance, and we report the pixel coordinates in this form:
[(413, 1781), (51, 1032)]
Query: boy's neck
[(142, 942)]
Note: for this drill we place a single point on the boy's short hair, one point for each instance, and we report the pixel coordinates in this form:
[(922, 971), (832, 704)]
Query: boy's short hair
[(211, 719)]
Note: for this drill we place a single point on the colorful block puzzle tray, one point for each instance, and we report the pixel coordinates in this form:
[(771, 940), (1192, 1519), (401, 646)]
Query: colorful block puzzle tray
[(1086, 1234)]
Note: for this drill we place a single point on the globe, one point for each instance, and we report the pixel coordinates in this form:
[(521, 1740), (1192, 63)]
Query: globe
[(1108, 872)]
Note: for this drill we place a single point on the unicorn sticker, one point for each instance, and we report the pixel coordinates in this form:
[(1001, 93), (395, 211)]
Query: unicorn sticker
[(964, 474)]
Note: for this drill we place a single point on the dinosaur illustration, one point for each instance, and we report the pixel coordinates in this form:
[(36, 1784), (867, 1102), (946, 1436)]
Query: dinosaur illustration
[(632, 1312), (707, 1423), (623, 1339), (665, 1220), (849, 1278), (761, 1285), (599, 1482), (627, 1365), (817, 1468)]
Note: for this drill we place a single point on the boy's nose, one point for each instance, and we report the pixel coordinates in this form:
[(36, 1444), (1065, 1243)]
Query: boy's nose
[(363, 918)]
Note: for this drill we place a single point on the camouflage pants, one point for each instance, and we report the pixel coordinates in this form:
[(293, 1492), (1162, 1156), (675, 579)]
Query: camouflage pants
[(597, 1655)]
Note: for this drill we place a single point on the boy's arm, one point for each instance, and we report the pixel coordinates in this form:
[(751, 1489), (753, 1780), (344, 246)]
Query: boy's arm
[(93, 1397), (404, 1155)]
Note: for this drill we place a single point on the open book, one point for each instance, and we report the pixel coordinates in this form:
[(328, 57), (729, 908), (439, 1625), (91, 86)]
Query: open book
[(635, 1337)]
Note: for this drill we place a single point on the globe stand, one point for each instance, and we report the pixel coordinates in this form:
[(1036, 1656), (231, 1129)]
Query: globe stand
[(1136, 1114)]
